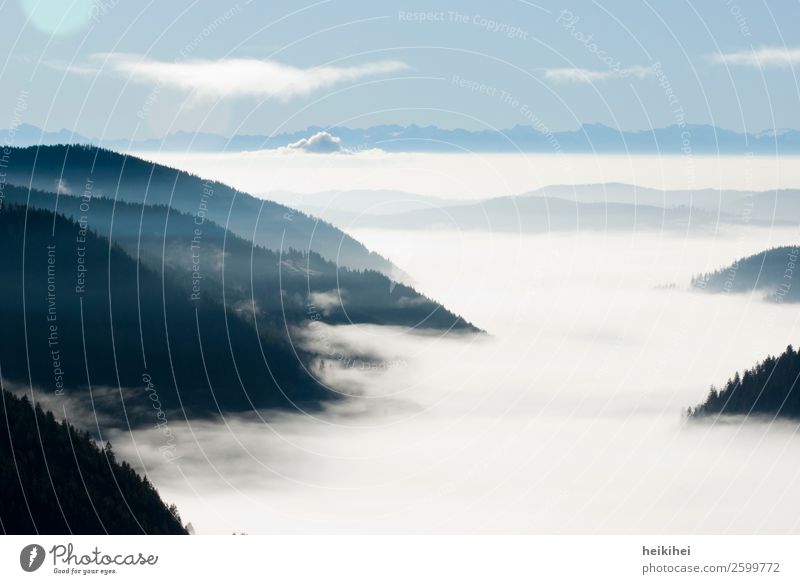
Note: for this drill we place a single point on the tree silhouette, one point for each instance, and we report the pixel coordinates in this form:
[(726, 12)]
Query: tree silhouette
[(55, 479), (769, 388)]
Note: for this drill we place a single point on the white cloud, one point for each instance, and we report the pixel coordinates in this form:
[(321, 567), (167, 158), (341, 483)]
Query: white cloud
[(319, 143), (580, 75), (763, 57), (328, 301), (238, 77)]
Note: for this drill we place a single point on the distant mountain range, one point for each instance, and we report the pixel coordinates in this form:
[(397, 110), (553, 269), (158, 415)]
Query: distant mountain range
[(610, 206), (413, 138), (531, 214)]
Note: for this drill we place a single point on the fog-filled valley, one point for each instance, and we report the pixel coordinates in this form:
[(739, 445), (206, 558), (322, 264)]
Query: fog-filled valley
[(565, 417), (463, 361), (374, 283)]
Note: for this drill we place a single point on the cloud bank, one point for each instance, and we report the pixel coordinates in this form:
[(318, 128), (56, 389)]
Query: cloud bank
[(580, 75), (221, 78), (763, 57), (566, 419)]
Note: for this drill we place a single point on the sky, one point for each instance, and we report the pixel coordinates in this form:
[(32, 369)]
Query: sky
[(123, 69)]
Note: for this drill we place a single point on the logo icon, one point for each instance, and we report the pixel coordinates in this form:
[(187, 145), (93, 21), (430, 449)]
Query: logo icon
[(31, 557)]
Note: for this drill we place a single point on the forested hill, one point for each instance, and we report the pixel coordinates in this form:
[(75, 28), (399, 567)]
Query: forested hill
[(774, 272), (769, 388), (97, 172), (55, 480), (278, 283), (78, 313)]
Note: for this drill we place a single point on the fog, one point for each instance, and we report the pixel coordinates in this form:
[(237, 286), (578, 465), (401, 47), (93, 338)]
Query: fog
[(478, 175), (566, 417)]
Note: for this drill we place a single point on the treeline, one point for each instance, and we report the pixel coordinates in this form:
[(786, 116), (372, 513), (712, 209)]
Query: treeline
[(121, 293), (55, 479), (769, 388), (775, 272), (121, 322), (88, 171), (278, 282), (82, 311)]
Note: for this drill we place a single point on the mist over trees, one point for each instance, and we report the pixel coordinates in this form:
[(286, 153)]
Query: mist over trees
[(102, 292), (772, 272), (122, 293), (768, 388), (78, 170), (120, 322)]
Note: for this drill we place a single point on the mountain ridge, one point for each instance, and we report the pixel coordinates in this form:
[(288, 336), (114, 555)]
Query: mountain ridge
[(91, 172), (766, 390), (769, 272), (589, 137), (139, 303), (55, 479)]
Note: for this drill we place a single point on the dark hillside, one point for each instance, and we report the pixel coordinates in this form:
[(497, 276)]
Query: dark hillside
[(79, 170), (768, 389), (55, 480)]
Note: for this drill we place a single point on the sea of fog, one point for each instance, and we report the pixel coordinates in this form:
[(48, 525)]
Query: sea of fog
[(478, 175), (564, 418)]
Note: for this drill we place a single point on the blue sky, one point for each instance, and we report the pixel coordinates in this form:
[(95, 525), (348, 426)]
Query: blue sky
[(118, 68)]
